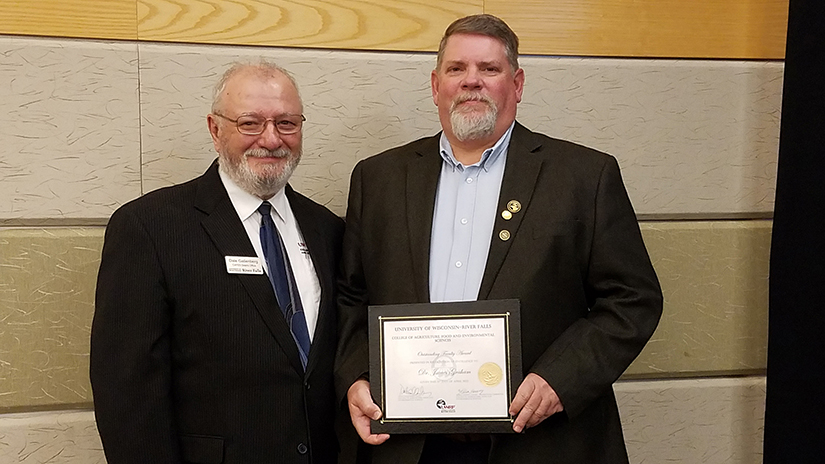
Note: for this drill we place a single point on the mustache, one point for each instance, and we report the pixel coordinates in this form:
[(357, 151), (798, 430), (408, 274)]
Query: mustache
[(264, 153), (471, 96)]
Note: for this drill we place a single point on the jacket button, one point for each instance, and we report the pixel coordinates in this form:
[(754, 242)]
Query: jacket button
[(302, 448), (306, 385)]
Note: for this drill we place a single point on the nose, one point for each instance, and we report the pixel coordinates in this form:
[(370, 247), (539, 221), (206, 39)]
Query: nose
[(471, 80), (270, 138)]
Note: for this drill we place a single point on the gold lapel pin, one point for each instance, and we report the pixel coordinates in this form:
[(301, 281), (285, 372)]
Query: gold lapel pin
[(513, 206), (506, 215), (504, 235)]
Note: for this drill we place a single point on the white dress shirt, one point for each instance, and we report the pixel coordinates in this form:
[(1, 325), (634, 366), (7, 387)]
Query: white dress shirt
[(246, 205)]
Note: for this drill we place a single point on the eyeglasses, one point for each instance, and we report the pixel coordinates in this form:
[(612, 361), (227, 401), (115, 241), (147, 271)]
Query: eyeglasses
[(253, 124)]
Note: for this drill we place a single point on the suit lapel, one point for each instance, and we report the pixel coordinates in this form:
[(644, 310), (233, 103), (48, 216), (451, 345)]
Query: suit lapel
[(520, 174), (422, 181), (225, 229)]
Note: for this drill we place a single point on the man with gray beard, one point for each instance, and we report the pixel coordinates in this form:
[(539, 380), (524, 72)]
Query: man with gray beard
[(215, 327), (490, 210)]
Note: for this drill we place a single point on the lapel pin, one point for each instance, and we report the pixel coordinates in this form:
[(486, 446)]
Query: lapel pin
[(506, 215), (513, 206), (504, 235)]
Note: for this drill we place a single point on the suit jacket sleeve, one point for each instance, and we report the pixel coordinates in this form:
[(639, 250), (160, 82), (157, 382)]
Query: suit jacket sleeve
[(623, 297), (130, 348), (352, 358)]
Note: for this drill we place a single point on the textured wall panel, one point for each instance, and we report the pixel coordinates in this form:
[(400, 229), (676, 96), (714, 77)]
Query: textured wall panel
[(707, 421), (65, 437), (692, 137), (69, 127), (714, 277), (670, 28), (47, 281), (688, 421), (354, 24), (103, 19), (356, 105)]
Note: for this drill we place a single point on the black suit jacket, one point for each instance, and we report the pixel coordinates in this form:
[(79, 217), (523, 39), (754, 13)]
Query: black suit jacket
[(589, 296), (192, 364)]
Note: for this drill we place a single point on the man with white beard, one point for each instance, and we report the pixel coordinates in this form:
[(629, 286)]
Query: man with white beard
[(215, 326), (489, 210)]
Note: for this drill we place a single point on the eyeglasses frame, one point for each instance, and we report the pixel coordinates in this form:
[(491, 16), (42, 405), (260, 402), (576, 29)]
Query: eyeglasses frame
[(266, 121)]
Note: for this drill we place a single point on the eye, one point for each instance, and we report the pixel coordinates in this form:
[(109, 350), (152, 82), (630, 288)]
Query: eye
[(248, 123), (287, 124)]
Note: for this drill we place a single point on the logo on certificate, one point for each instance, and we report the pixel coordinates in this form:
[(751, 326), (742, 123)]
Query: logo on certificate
[(444, 407), (490, 374)]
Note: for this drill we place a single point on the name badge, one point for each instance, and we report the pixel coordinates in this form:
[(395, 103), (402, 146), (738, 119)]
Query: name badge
[(243, 265)]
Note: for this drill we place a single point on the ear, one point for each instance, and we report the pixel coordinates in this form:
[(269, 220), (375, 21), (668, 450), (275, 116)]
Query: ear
[(518, 78), (214, 131), (434, 85)]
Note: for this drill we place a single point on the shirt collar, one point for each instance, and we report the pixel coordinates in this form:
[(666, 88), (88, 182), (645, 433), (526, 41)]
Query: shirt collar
[(247, 204), (488, 158)]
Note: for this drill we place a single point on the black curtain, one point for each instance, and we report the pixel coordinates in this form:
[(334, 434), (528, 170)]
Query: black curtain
[(795, 406)]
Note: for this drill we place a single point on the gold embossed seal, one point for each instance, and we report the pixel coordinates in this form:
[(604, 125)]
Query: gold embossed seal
[(490, 374)]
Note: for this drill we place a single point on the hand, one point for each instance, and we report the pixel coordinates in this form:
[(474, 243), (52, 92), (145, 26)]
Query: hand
[(362, 409), (535, 401)]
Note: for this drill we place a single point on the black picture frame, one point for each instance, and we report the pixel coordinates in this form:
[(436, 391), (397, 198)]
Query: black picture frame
[(508, 310)]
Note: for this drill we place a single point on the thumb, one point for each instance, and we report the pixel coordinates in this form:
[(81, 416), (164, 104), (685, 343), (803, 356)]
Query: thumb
[(366, 405)]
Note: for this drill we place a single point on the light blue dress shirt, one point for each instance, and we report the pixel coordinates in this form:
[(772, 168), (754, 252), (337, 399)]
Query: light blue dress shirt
[(463, 220)]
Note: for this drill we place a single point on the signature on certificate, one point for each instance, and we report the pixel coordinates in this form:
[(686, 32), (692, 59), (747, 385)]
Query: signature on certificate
[(414, 392)]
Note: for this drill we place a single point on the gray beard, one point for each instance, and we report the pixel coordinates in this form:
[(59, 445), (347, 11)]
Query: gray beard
[(468, 126), (270, 181)]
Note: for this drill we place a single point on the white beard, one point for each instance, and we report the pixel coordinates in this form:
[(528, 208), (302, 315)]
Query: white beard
[(473, 126), (267, 183)]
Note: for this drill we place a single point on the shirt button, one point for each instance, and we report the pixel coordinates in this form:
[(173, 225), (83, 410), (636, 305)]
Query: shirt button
[(458, 264), (302, 448), (469, 180), (464, 220)]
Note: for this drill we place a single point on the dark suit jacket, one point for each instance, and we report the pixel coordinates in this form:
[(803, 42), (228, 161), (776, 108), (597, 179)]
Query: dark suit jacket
[(589, 296), (192, 364)]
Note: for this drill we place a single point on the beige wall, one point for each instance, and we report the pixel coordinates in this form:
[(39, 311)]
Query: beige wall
[(88, 124)]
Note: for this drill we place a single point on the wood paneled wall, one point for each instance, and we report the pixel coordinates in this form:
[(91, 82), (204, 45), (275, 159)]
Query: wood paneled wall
[(749, 29), (735, 29), (95, 19)]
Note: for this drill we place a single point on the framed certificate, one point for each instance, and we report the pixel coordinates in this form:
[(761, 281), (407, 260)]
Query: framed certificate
[(445, 367)]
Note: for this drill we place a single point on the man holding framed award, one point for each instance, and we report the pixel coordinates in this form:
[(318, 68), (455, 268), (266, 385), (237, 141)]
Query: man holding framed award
[(490, 271)]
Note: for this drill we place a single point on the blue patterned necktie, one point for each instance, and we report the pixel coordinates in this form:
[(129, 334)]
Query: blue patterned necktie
[(283, 281)]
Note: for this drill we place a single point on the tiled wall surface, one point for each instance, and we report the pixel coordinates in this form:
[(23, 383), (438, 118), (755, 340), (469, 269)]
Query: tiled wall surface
[(102, 119), (708, 421), (714, 277), (47, 282), (65, 437), (69, 127), (713, 274)]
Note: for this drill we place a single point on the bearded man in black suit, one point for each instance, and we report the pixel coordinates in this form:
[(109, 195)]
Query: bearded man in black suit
[(491, 210), (199, 353)]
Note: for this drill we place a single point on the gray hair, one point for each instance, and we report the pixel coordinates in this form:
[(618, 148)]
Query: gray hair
[(487, 25), (261, 68)]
